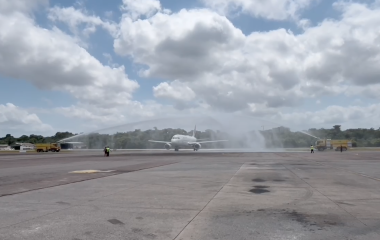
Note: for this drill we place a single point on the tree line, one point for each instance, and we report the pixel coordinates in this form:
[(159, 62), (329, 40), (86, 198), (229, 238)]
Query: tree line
[(274, 138)]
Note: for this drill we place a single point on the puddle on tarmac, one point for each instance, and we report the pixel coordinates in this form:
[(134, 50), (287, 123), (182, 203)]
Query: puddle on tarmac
[(258, 191), (116, 222), (258, 180)]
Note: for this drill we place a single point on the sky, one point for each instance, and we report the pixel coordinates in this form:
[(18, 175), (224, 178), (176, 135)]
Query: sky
[(81, 65)]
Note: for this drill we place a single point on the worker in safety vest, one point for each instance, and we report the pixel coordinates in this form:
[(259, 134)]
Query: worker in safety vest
[(311, 149), (108, 151)]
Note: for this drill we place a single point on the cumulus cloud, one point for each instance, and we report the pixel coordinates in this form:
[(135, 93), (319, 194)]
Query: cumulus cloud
[(348, 116), (76, 17), (136, 9), (15, 118), (188, 40), (183, 95), (268, 9), (345, 51), (175, 90), (8, 6), (206, 63), (52, 60), (277, 69), (218, 62)]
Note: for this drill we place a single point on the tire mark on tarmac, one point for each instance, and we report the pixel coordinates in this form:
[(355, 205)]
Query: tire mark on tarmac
[(325, 196)]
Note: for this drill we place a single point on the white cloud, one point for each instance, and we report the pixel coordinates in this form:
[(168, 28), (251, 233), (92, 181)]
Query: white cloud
[(52, 60), (16, 119), (371, 91), (268, 9), (304, 23), (26, 6), (276, 69), (261, 110), (136, 9), (207, 64), (348, 116), (112, 115), (182, 39), (175, 90), (218, 62), (110, 60), (345, 51), (75, 17)]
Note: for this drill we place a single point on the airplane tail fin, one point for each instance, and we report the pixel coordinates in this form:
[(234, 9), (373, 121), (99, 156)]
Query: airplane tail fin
[(195, 129)]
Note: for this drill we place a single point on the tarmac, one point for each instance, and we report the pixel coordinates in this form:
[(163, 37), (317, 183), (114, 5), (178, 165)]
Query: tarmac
[(190, 195)]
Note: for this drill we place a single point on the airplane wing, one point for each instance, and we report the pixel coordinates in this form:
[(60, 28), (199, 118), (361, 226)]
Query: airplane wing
[(158, 141), (202, 139), (192, 143)]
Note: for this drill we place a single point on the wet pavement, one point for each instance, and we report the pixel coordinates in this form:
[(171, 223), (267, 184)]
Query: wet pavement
[(190, 195)]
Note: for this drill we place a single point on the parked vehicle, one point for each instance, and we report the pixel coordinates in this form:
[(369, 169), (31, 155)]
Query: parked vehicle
[(324, 144), (47, 147)]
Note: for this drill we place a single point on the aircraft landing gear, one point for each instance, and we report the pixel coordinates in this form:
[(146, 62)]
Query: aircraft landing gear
[(176, 149)]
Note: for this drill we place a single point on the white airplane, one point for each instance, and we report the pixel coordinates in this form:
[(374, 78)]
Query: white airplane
[(179, 140)]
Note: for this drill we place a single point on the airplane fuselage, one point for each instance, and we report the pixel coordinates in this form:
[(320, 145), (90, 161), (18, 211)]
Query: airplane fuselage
[(181, 140)]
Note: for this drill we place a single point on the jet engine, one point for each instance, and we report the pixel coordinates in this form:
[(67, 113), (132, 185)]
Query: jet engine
[(168, 146), (197, 146)]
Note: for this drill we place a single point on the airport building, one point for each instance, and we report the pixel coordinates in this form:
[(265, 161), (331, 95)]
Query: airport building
[(5, 147), (26, 146)]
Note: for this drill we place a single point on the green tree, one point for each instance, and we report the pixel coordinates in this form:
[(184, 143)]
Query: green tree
[(337, 128)]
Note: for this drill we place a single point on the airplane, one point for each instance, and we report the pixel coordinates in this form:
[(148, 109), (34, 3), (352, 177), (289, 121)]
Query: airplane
[(179, 140)]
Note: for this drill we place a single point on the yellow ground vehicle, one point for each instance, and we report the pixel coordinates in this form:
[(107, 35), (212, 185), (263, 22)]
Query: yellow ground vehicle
[(47, 147), (323, 144)]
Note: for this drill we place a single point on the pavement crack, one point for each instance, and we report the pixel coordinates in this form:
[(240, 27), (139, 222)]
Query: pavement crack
[(196, 215), (325, 196), (349, 171)]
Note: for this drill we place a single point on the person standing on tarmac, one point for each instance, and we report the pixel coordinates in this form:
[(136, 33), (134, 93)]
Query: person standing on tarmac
[(311, 149), (105, 151), (108, 151)]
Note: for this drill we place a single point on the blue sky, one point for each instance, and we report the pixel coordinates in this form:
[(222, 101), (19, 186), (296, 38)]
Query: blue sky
[(157, 91), (102, 43)]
